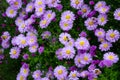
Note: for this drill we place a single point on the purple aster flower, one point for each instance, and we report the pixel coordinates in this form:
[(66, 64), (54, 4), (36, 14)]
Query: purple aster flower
[(33, 48), (86, 58), (73, 75), (111, 56), (112, 35), (21, 77), (105, 46), (102, 19), (5, 36), (37, 74), (29, 7), (31, 40), (5, 44), (15, 52), (39, 11), (11, 12), (104, 9), (71, 43), (68, 52), (85, 9), (18, 21), (41, 49), (46, 34), (82, 43), (21, 41), (67, 16), (91, 67), (101, 39), (60, 72), (44, 23), (16, 4), (99, 4), (66, 25), (24, 71), (53, 3), (83, 34), (91, 23), (100, 33), (77, 4), (23, 13), (39, 3), (59, 54), (105, 63), (117, 14), (64, 38), (77, 61), (84, 74), (25, 56), (59, 7), (22, 27)]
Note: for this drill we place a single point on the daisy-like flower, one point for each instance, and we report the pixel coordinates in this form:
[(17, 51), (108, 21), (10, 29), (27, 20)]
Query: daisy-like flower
[(21, 77), (46, 34), (64, 38), (67, 16), (11, 12), (23, 13), (53, 3), (74, 75), (29, 21), (86, 58), (29, 7), (39, 11), (77, 61), (84, 74), (21, 41), (22, 27), (104, 9), (59, 54), (39, 3), (49, 15), (85, 9), (82, 43), (100, 33), (66, 25), (33, 48), (5, 36), (101, 39), (31, 40), (117, 14), (102, 19), (105, 46), (91, 23), (112, 35), (16, 4), (15, 52), (68, 52), (5, 44), (24, 71), (99, 4), (37, 74), (44, 23), (77, 4), (70, 43), (18, 21), (60, 72), (111, 56)]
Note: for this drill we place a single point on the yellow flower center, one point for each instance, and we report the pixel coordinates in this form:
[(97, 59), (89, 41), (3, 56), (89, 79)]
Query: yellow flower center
[(74, 75), (68, 17), (23, 12), (77, 2), (68, 51), (25, 71), (65, 38), (111, 57), (95, 79), (99, 5), (11, 11), (33, 47), (119, 14), (49, 15), (99, 33), (16, 3), (21, 78), (40, 3), (40, 9), (14, 52), (102, 19), (86, 58), (90, 23), (79, 60), (31, 40), (60, 72), (30, 7), (44, 22), (23, 26), (112, 35), (82, 43), (103, 9), (65, 24), (105, 45), (84, 10), (4, 37), (23, 41)]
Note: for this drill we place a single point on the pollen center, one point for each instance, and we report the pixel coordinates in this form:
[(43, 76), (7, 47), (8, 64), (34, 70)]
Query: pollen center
[(60, 72)]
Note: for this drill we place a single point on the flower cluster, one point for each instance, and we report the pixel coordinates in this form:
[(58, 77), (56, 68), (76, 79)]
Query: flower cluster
[(78, 52)]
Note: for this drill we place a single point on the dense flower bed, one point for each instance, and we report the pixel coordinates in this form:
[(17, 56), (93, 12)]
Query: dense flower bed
[(79, 48)]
